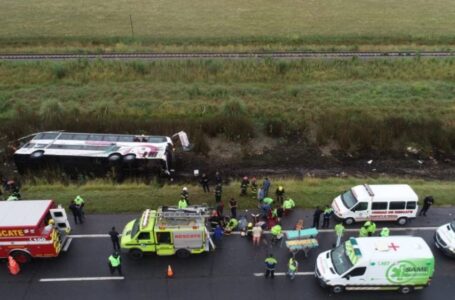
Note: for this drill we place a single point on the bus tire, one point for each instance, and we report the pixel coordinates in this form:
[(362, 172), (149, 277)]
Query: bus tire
[(349, 221), (21, 257), (406, 289), (402, 221), (337, 289), (115, 157), (37, 154), (129, 158), (135, 254), (183, 253)]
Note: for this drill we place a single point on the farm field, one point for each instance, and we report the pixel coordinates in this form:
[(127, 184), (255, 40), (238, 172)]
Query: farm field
[(104, 197), (256, 25), (355, 106)]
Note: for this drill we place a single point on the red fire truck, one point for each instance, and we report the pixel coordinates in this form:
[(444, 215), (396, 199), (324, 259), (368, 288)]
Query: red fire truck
[(26, 229)]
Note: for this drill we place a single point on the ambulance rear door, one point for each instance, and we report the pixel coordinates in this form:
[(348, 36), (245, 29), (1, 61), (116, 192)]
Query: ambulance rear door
[(60, 218)]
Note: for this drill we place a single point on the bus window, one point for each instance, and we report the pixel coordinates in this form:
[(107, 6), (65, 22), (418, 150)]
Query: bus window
[(125, 138), (80, 136), (411, 205), (361, 206), (397, 205), (47, 136), (66, 136), (109, 138), (379, 206), (95, 137)]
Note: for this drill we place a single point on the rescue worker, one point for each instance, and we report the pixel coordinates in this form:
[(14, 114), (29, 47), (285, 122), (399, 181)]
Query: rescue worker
[(233, 207), (115, 263), (76, 211), (276, 232), (218, 192), (205, 183), (326, 216), (363, 231), (244, 186), (385, 232), (231, 225), (270, 264), (115, 239), (249, 230), (257, 233), (218, 234), (427, 202), (254, 186), (260, 195), (339, 230), (80, 202), (218, 178), (371, 227), (268, 201), (220, 208), (12, 197), (266, 186), (288, 205), (279, 194), (292, 267), (316, 216), (182, 203), (185, 194)]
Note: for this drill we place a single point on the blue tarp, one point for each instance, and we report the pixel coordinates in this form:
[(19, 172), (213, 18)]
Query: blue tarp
[(301, 234)]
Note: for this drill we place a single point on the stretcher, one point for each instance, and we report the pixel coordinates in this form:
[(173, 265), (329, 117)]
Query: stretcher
[(301, 241)]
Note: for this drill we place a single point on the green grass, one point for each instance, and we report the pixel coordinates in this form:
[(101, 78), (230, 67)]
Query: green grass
[(222, 25), (103, 197), (363, 105)]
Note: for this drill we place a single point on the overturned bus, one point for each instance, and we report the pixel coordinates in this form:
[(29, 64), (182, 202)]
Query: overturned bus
[(97, 153)]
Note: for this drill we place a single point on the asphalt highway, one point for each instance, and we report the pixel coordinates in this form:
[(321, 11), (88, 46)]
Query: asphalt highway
[(230, 272)]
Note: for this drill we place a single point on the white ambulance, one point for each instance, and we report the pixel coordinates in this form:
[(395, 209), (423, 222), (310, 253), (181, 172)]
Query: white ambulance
[(387, 202), (444, 239), (403, 263)]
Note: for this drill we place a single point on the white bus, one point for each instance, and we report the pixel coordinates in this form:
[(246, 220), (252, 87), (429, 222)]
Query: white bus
[(91, 152)]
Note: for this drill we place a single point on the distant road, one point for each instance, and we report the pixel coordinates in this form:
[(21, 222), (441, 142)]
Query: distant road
[(225, 55)]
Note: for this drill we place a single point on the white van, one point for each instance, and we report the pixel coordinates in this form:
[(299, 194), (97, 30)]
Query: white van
[(403, 263), (387, 202), (444, 239)]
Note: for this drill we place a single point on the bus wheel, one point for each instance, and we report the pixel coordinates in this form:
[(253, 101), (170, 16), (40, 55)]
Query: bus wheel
[(21, 257), (113, 158), (183, 253), (405, 289), (37, 154), (337, 289), (402, 221), (129, 158), (349, 221), (136, 254)]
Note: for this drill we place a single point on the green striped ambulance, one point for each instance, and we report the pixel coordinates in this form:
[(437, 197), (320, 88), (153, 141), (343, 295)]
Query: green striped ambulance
[(402, 263)]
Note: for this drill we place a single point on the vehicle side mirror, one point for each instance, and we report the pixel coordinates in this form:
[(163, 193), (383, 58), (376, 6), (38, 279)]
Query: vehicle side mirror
[(347, 277)]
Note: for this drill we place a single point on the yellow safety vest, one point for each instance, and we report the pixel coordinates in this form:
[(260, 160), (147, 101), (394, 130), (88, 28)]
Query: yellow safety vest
[(115, 262)]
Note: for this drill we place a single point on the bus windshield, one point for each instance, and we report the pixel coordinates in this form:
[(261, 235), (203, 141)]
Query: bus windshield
[(340, 259), (348, 198)]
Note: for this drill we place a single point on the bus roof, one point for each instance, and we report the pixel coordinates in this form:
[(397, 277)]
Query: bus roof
[(23, 213), (392, 248), (385, 192)]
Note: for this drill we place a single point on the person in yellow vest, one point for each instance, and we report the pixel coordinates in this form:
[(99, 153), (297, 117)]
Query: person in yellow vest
[(292, 267), (182, 203), (363, 231), (276, 232), (288, 205), (80, 202), (385, 232), (339, 230), (115, 263), (371, 227)]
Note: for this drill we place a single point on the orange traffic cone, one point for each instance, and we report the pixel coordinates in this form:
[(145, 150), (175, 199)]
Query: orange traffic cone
[(170, 273), (13, 266)]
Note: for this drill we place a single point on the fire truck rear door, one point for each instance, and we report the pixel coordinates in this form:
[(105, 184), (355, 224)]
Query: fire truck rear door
[(60, 218)]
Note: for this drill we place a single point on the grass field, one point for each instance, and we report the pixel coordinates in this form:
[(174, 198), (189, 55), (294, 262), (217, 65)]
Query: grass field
[(65, 25), (103, 197), (372, 105)]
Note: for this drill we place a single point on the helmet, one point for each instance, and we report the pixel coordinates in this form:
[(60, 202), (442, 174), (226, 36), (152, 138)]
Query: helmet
[(51, 222), (245, 178), (250, 225), (185, 188), (280, 188)]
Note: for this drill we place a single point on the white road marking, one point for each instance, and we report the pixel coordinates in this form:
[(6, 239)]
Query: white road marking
[(284, 274), (81, 279), (83, 236)]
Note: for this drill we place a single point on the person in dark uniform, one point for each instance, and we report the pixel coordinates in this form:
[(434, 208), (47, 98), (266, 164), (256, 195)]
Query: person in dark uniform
[(218, 192), (205, 183), (316, 216), (427, 202), (76, 211), (233, 206), (115, 239), (218, 178)]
